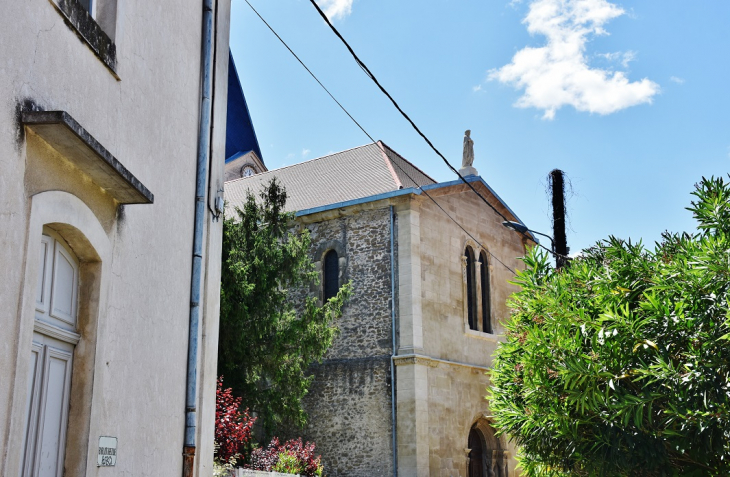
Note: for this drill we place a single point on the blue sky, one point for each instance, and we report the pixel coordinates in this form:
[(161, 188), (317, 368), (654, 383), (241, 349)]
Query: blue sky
[(630, 99)]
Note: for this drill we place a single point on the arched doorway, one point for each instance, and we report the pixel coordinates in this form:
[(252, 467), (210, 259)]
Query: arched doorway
[(487, 457), (476, 455), (66, 287)]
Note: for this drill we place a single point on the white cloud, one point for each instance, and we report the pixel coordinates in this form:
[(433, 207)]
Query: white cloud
[(628, 57), (335, 9), (676, 79), (558, 74), (476, 88), (305, 152), (610, 56), (623, 57)]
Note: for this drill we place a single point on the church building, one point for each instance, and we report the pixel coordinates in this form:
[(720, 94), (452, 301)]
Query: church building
[(402, 390)]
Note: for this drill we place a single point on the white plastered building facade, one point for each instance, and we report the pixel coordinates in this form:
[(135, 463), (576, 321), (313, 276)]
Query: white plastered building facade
[(99, 120)]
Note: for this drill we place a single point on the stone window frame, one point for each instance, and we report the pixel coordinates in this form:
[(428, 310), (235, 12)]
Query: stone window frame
[(319, 255), (70, 218), (470, 272), (478, 295), (330, 283), (486, 312), (95, 27)]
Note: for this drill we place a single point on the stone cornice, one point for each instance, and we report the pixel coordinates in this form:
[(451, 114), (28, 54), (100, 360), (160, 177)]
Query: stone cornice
[(431, 362)]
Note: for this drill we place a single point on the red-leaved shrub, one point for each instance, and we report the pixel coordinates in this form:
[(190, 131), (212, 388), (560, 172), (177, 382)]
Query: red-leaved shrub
[(232, 428), (266, 458)]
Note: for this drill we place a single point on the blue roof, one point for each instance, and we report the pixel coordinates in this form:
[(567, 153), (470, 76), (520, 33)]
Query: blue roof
[(240, 134)]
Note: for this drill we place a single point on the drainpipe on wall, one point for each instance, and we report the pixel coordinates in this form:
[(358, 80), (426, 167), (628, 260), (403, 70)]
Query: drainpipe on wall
[(392, 358), (201, 177)]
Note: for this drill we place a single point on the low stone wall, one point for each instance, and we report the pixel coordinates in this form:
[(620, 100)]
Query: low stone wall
[(259, 473)]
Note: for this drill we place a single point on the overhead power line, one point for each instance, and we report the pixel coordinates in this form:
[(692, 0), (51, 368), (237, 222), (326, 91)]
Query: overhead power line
[(376, 142), (308, 70), (370, 75)]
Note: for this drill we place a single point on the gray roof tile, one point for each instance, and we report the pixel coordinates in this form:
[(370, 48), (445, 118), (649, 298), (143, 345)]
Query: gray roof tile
[(352, 174)]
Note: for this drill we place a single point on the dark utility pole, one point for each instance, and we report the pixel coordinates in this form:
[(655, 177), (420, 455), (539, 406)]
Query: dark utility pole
[(557, 186)]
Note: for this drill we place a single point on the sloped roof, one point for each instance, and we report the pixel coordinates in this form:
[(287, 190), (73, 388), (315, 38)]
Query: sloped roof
[(352, 174), (240, 134)]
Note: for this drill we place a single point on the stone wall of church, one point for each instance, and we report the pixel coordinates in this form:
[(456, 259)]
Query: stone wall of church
[(349, 403), (446, 332), (349, 416), (456, 392), (456, 400)]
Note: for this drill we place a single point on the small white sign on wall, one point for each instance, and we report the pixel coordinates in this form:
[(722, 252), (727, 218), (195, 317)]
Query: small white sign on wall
[(107, 451)]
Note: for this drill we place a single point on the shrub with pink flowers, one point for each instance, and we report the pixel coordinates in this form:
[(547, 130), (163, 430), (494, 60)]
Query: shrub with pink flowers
[(292, 457)]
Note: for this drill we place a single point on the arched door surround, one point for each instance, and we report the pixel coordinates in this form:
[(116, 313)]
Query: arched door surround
[(487, 457)]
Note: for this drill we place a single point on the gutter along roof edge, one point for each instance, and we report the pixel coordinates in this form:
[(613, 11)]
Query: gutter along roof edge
[(363, 200), (411, 190)]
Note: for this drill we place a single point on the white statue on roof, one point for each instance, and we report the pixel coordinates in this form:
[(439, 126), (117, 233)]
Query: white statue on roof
[(467, 158)]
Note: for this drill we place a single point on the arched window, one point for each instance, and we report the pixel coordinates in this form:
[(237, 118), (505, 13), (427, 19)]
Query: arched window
[(331, 275), (486, 307), (471, 297)]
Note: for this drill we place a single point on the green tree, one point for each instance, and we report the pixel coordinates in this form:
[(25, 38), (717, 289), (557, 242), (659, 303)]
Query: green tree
[(266, 342), (619, 363)]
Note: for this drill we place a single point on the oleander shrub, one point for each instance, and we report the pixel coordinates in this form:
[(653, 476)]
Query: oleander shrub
[(619, 364)]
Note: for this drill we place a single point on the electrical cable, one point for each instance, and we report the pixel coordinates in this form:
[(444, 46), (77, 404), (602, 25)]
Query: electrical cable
[(370, 75), (381, 147), (306, 68)]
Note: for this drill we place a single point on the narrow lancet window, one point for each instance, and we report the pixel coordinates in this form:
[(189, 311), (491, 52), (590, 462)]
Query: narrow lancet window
[(331, 275), (486, 307), (471, 289)]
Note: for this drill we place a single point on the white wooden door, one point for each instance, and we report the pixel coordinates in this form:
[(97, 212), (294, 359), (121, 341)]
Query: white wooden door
[(49, 376)]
